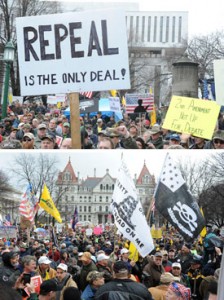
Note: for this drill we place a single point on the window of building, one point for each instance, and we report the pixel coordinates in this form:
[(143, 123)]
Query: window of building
[(107, 198), (100, 208), (84, 218), (167, 28), (179, 29), (89, 209), (72, 198), (161, 30), (173, 30), (89, 218), (80, 208), (80, 217), (143, 29), (149, 29), (107, 187), (101, 186), (90, 198), (137, 29), (84, 208), (155, 29), (100, 198), (112, 187), (106, 208)]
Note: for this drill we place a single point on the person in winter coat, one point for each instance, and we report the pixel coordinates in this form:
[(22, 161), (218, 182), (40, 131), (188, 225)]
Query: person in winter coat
[(9, 271)]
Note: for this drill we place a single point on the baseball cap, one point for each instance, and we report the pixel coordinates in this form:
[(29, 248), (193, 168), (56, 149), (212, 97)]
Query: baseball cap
[(44, 260), (27, 126), (62, 266), (168, 277), (49, 137), (124, 250), (102, 257), (40, 126), (48, 286), (86, 256), (175, 137), (99, 120), (93, 275), (29, 135), (176, 265), (66, 124), (158, 254)]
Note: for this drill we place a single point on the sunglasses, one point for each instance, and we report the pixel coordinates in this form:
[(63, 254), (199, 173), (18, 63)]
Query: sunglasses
[(27, 140), (217, 141)]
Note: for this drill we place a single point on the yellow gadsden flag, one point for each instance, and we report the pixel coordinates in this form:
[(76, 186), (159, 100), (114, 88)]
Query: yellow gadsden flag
[(47, 204)]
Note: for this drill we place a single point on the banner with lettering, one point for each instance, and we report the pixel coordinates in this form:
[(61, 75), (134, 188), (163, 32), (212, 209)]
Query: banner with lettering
[(73, 52), (193, 116)]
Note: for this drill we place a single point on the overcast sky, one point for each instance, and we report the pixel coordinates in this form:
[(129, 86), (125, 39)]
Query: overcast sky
[(85, 161), (204, 17)]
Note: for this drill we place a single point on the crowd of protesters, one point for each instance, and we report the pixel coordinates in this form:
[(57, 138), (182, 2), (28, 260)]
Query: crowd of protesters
[(100, 267), (35, 126)]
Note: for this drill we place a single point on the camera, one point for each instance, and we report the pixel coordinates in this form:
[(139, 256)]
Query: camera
[(26, 278)]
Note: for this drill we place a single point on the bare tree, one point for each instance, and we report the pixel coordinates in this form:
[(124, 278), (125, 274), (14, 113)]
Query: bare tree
[(38, 170), (9, 11), (204, 49)]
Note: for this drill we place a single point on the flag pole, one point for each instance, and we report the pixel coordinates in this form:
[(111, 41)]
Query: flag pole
[(149, 211)]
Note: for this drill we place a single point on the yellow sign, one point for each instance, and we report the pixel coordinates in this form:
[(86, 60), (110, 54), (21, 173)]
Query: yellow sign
[(194, 116), (156, 233)]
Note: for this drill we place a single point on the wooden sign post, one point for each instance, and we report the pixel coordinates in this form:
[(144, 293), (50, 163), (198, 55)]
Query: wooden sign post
[(75, 120)]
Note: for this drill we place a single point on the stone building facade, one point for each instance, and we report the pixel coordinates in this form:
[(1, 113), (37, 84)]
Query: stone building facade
[(92, 196)]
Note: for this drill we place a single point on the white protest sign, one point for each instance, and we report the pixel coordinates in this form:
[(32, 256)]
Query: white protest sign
[(73, 52), (219, 74), (114, 103)]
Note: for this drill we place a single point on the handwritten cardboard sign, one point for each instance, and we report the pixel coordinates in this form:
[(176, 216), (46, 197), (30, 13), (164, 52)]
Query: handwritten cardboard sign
[(193, 116), (73, 52)]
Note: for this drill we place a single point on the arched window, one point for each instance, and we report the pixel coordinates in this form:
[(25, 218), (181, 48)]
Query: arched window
[(106, 186), (112, 187), (89, 218), (84, 208), (106, 208), (100, 198), (101, 186), (89, 209)]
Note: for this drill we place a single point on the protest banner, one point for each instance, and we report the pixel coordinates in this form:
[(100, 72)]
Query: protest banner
[(8, 231), (73, 52), (193, 116), (114, 103), (218, 74)]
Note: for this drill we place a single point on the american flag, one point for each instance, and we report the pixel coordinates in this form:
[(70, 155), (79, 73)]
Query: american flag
[(7, 221), (29, 204), (86, 94), (132, 102)]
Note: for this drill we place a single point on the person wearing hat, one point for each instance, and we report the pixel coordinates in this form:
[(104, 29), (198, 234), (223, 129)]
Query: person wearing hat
[(41, 132), (156, 137), (63, 280), (159, 292), (105, 142), (87, 266), (26, 129), (177, 291), (95, 280), (103, 266), (185, 257), (44, 269), (66, 130), (195, 276), (122, 287), (166, 263), (99, 126), (9, 270), (218, 139), (172, 255), (197, 142), (176, 271), (174, 139), (91, 135), (47, 142), (154, 270), (28, 141), (115, 137)]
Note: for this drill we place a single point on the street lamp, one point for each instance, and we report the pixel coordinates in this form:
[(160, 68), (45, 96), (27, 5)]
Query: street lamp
[(8, 58)]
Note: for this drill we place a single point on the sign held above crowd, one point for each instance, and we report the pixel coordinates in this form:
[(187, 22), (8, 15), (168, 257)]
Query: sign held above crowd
[(73, 52), (190, 115)]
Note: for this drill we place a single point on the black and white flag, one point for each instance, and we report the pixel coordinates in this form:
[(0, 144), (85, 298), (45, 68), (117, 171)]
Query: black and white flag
[(174, 201), (128, 213)]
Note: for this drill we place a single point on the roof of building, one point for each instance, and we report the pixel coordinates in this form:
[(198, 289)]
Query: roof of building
[(68, 169), (143, 173)]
